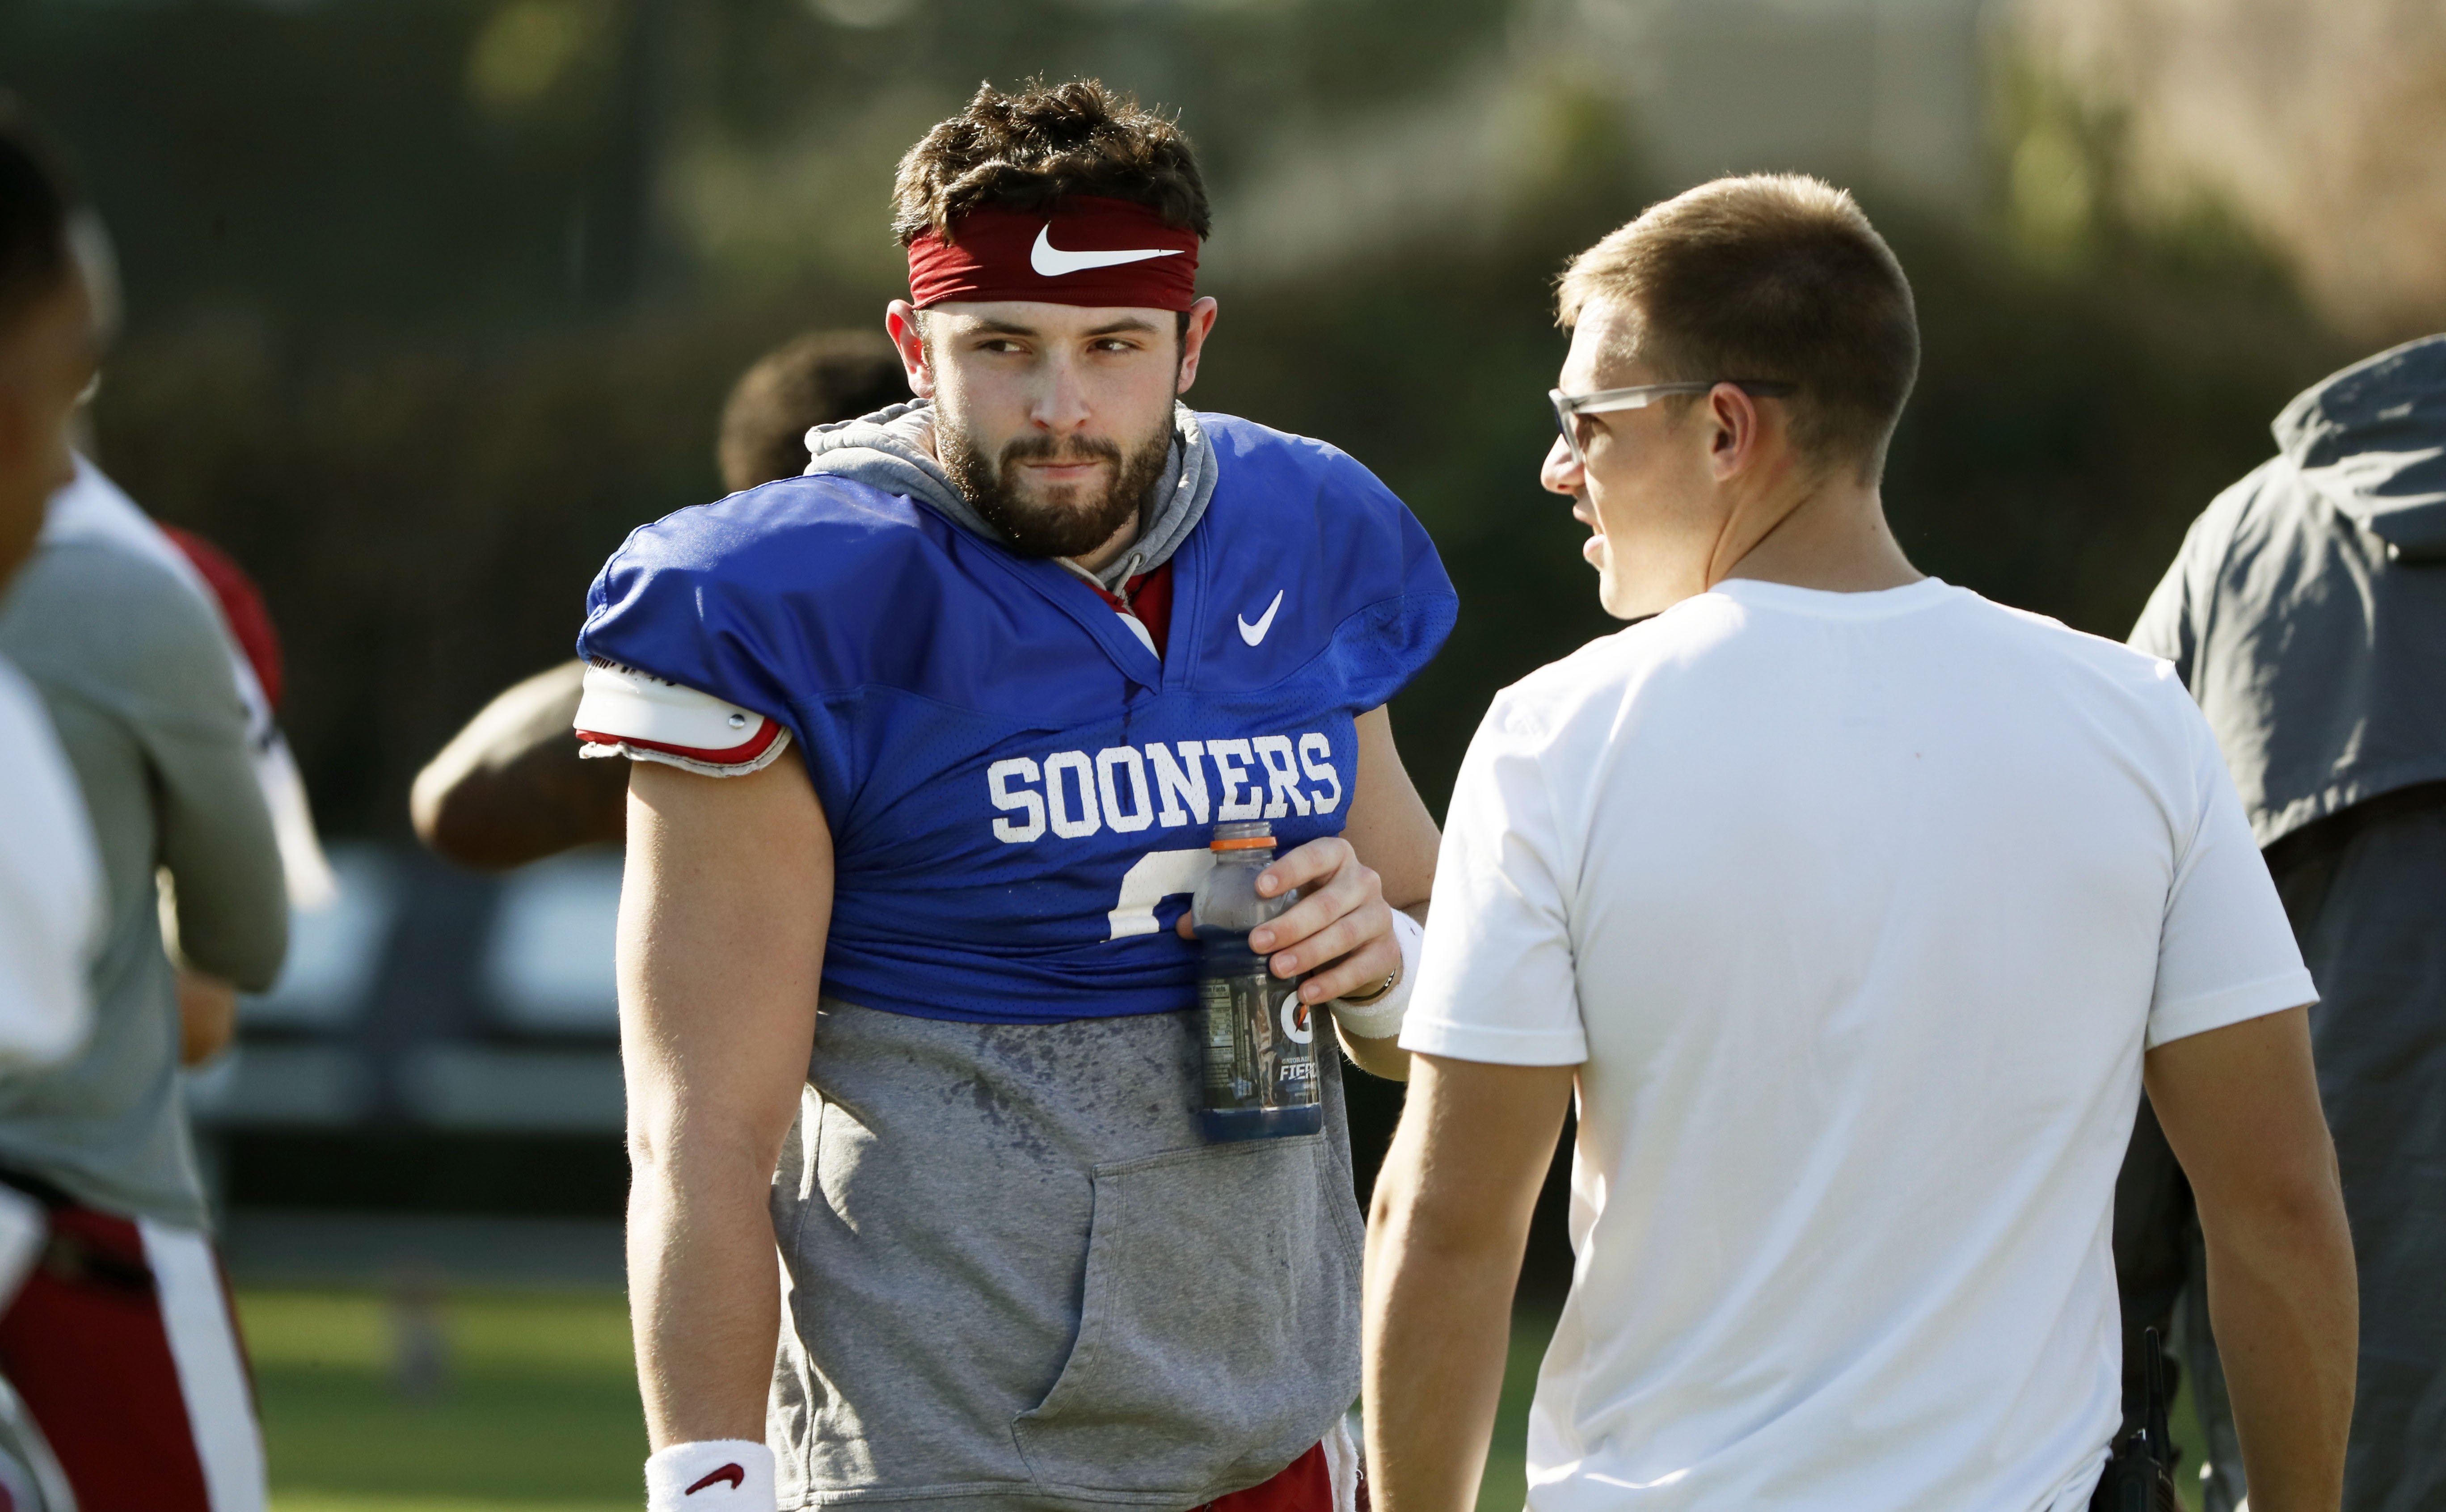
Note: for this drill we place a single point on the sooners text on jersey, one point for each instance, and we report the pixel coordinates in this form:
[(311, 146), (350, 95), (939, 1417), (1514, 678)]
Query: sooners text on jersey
[(1018, 788)]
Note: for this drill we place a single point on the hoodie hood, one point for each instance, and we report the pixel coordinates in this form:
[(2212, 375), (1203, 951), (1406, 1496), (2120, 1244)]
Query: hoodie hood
[(2372, 441), (893, 450)]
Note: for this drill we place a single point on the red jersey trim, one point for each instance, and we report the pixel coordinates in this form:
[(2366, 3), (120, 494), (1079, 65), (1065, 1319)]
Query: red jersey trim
[(1146, 598), (746, 751)]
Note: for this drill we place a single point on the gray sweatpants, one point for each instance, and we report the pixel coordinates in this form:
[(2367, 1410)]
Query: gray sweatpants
[(1018, 1279)]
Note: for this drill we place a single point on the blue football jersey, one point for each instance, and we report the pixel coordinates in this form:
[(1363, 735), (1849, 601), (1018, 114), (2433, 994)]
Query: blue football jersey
[(1020, 791)]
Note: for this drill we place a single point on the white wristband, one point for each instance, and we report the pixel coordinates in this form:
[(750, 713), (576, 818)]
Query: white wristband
[(712, 1475), (1382, 1019)]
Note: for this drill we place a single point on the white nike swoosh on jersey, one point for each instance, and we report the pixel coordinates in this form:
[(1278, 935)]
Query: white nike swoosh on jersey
[(1052, 262), (1253, 633)]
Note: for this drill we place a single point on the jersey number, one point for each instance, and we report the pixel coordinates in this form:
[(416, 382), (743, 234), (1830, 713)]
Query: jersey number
[(1156, 876)]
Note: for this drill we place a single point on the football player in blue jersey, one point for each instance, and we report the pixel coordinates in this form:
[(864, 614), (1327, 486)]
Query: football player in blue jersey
[(927, 747)]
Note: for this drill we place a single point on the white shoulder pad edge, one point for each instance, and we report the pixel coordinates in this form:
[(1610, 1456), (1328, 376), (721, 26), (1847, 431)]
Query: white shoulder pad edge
[(626, 712)]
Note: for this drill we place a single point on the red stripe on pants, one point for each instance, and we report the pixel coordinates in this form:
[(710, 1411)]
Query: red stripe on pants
[(1304, 1485), (91, 1358)]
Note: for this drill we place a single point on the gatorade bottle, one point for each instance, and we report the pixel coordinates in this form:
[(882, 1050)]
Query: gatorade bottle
[(1261, 1067)]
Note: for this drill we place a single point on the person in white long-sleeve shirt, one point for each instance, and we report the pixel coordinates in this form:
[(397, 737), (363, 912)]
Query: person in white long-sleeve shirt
[(51, 901), (123, 1345), (49, 887), (50, 883)]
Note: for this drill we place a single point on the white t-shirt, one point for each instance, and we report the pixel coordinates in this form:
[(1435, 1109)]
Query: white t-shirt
[(1854, 910), (51, 887)]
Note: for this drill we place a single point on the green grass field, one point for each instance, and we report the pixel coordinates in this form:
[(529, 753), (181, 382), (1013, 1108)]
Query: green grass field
[(537, 1406), (536, 1411)]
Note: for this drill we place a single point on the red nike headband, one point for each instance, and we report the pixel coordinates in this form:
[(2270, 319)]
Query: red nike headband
[(1109, 253)]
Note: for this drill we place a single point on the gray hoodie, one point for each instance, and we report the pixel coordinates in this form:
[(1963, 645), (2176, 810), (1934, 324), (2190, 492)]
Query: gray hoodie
[(893, 450), (2307, 611)]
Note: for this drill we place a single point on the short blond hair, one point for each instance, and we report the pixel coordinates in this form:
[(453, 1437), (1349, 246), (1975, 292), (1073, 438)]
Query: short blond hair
[(1774, 276)]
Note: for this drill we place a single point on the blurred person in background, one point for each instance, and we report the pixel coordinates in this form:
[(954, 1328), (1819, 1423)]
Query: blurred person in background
[(927, 746), (51, 898), (512, 787), (93, 511), (207, 1006), (50, 878), (1854, 909), (2306, 612), (120, 1340)]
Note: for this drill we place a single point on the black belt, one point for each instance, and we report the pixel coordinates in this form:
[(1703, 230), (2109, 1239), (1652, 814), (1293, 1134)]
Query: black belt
[(68, 1256)]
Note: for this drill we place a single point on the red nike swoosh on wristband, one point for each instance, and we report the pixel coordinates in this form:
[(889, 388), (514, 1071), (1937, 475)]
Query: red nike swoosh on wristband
[(732, 1473)]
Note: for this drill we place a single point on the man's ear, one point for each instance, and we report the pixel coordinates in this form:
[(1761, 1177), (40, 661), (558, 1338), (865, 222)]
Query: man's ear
[(902, 324), (1193, 339), (1737, 430)]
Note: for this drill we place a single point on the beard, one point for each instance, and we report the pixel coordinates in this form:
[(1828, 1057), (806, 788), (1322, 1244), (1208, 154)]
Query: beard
[(1062, 523)]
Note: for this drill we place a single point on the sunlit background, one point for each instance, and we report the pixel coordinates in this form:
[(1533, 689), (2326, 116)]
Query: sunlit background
[(431, 301)]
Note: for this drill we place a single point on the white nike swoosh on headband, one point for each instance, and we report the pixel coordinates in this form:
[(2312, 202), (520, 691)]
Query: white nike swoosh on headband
[(1052, 262)]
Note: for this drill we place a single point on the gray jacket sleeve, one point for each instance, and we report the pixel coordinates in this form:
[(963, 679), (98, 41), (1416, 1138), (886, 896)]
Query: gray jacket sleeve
[(155, 661), (2168, 625)]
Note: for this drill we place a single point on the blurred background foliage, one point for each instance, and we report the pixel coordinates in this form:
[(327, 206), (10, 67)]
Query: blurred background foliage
[(433, 300)]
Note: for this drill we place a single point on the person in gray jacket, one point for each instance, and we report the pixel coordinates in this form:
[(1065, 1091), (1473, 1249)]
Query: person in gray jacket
[(2306, 612), (121, 1342)]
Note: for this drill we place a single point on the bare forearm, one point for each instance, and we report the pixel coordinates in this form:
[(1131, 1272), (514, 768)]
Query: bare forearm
[(2284, 1301), (1443, 1315), (1450, 1217), (705, 1295), (510, 788), (2240, 1105), (545, 802), (722, 939)]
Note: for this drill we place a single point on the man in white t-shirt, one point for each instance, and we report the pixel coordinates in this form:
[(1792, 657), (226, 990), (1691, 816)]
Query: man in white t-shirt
[(1853, 908)]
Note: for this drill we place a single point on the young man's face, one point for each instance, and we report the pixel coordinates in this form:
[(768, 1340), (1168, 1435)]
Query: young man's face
[(1648, 492), (1053, 419), (47, 359)]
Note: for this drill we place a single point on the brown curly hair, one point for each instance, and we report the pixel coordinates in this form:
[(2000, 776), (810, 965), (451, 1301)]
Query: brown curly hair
[(1046, 142)]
